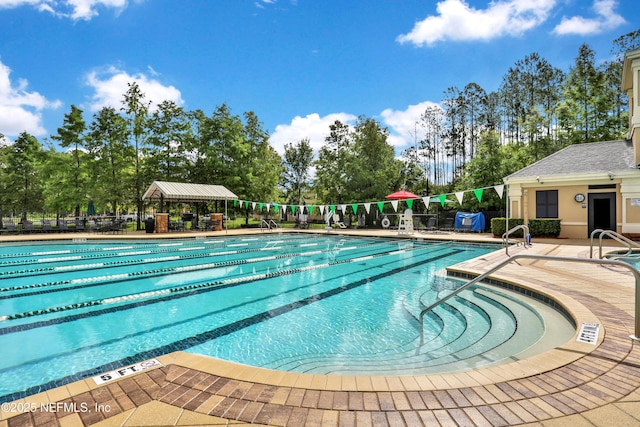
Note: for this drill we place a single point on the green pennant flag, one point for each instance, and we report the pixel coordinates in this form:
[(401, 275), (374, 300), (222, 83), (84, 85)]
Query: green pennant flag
[(261, 204), (275, 207), (354, 206), (478, 194), (380, 206), (410, 203), (442, 198), (293, 209), (235, 203), (332, 208), (310, 209), (246, 204)]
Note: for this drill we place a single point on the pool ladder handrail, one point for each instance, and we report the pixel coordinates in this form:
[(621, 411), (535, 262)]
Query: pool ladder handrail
[(271, 224), (505, 236), (516, 257), (630, 244)]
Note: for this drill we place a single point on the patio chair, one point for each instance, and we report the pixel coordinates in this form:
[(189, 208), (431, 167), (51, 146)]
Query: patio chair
[(62, 226), (46, 226), (303, 221), (431, 224), (448, 224), (27, 227), (80, 225), (91, 226), (336, 221), (10, 226)]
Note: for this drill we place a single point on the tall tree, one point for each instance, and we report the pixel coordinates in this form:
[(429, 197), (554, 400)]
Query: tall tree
[(71, 134), (585, 111), (373, 170), (297, 162), (263, 165), (22, 180), (169, 133), (333, 156), (137, 111), (111, 159)]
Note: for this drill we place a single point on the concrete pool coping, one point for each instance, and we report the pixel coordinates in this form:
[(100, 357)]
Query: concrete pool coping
[(576, 383)]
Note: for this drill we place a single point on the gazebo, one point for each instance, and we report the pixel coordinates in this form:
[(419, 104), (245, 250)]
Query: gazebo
[(164, 191)]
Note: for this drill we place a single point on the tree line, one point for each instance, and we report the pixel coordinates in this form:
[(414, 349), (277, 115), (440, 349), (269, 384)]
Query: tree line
[(472, 140)]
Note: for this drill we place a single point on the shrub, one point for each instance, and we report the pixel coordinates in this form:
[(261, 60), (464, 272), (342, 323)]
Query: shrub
[(498, 226), (544, 227)]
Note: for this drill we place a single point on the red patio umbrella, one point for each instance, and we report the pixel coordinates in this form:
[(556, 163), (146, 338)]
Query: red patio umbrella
[(402, 195)]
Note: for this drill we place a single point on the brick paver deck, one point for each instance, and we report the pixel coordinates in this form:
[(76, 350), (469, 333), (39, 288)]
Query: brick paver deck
[(575, 384)]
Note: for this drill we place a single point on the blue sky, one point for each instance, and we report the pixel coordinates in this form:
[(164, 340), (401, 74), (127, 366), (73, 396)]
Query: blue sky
[(298, 64)]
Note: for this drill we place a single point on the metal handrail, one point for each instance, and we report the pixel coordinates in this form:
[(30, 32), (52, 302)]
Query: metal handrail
[(275, 224), (630, 244), (497, 267), (505, 236), (262, 221)]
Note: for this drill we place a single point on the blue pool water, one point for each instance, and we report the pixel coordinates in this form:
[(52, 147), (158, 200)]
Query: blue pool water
[(305, 303)]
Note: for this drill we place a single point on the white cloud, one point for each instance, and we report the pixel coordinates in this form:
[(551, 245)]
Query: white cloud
[(606, 19), (456, 20), (111, 85), (404, 124), (74, 9), (21, 110), (312, 127)]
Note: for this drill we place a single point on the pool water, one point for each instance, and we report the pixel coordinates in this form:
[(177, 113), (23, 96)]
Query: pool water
[(312, 303)]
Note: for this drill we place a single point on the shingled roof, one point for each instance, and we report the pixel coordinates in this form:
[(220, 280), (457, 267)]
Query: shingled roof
[(593, 157)]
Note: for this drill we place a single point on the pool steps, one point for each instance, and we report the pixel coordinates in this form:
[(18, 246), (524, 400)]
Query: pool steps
[(458, 352)]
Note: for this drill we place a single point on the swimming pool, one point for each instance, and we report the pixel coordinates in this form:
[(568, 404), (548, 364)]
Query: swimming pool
[(304, 303)]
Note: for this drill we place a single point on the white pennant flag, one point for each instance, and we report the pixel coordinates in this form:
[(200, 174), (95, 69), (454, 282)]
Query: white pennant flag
[(459, 196), (426, 201), (499, 189), (268, 206), (394, 203), (321, 209), (343, 208), (253, 205), (367, 206)]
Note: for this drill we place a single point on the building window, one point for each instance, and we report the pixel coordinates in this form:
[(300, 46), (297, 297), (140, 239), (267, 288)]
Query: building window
[(547, 204)]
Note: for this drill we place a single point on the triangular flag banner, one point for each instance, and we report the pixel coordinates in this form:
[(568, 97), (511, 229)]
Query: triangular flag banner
[(380, 206), (354, 206), (293, 209), (410, 203), (235, 203), (246, 204), (478, 194), (321, 210), (268, 206), (310, 209), (253, 205), (332, 208), (459, 196), (343, 208), (275, 207), (499, 189), (367, 207), (442, 198), (394, 203), (261, 205), (426, 200)]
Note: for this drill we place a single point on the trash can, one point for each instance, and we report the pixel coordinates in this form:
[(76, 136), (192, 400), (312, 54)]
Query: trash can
[(149, 224)]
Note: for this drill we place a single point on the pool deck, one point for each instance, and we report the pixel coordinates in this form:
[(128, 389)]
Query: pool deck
[(578, 384)]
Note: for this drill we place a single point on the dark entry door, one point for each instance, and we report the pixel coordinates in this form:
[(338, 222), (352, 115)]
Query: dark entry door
[(602, 211)]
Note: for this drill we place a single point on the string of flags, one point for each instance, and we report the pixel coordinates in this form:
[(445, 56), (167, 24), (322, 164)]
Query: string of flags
[(427, 200)]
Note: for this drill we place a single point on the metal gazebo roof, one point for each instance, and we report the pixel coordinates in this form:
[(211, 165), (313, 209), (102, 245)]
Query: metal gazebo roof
[(184, 192)]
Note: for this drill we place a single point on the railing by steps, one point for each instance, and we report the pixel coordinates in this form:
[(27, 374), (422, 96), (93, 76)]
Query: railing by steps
[(516, 257)]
